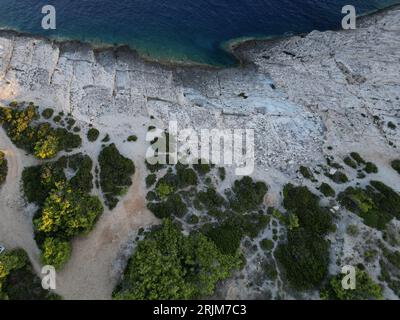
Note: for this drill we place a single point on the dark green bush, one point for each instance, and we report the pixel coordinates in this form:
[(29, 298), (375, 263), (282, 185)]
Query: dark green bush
[(172, 206), (150, 180), (3, 167), (247, 195), (93, 134), (305, 258), (47, 113), (227, 237), (377, 204), (371, 168), (115, 174), (211, 199), (356, 156), (222, 173), (396, 165), (338, 177), (306, 173), (267, 244), (132, 138), (350, 162), (327, 190), (20, 281)]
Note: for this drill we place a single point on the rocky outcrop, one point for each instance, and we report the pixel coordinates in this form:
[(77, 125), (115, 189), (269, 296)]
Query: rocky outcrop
[(299, 94)]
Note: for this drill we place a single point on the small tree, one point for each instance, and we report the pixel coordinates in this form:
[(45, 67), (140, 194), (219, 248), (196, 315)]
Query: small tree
[(47, 147)]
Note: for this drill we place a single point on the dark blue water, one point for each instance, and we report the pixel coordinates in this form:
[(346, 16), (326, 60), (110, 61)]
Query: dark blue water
[(180, 30)]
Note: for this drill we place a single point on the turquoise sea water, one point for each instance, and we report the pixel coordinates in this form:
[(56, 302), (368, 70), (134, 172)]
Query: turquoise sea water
[(180, 30)]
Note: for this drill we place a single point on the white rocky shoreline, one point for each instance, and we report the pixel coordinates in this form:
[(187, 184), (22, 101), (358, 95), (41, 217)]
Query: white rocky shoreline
[(307, 97)]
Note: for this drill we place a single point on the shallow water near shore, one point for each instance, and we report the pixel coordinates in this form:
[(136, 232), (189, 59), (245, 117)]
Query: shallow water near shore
[(186, 31)]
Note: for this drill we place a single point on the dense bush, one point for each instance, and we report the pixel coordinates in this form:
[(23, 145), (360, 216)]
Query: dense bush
[(210, 199), (167, 265), (115, 174), (327, 190), (65, 207), (396, 165), (305, 256), (371, 168), (55, 252), (377, 204), (247, 195), (67, 213), (132, 138), (42, 139), (350, 162), (338, 177), (38, 181), (173, 205), (47, 113), (18, 281), (93, 134), (356, 156), (366, 288), (227, 237), (3, 167), (151, 180), (267, 244), (306, 173)]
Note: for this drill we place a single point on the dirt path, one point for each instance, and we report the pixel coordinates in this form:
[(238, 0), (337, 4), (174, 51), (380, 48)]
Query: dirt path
[(90, 273), (15, 217)]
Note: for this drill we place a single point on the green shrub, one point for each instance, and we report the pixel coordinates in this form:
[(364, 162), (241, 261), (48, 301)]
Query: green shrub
[(150, 180), (173, 205), (350, 162), (338, 177), (371, 168), (247, 195), (356, 156), (132, 138), (305, 259), (210, 199), (56, 252), (47, 113), (167, 265), (18, 281), (3, 168), (396, 165), (67, 213), (185, 176), (202, 169), (366, 288), (306, 173), (305, 256), (377, 204), (106, 138), (267, 244), (115, 174), (352, 230), (222, 173), (227, 237), (93, 134), (391, 125), (327, 190)]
